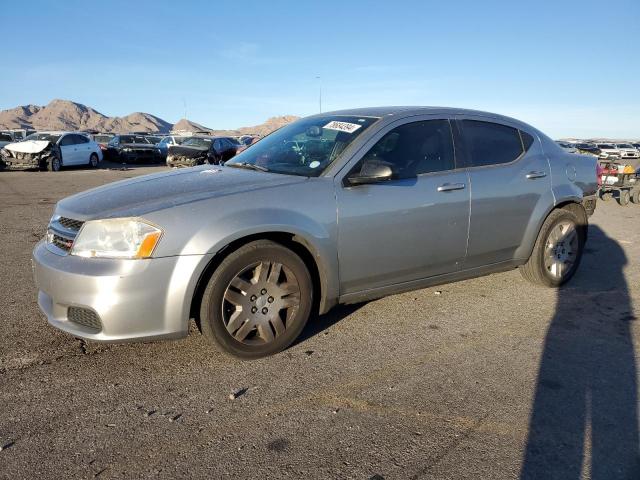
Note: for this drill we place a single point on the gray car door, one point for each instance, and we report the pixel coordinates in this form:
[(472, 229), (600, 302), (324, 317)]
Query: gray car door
[(510, 188), (412, 226)]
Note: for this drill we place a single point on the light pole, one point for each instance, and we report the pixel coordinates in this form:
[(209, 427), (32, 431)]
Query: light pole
[(320, 92)]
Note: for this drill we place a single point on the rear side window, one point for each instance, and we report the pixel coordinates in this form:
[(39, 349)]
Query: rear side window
[(415, 148), (527, 140), (80, 139), (491, 143)]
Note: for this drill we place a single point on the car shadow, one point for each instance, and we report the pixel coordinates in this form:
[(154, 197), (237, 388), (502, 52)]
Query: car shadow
[(584, 413), (319, 323)]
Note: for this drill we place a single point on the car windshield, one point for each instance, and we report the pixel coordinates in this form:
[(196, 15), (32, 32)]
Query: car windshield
[(43, 136), (197, 142), (5, 137), (604, 146), (102, 138), (133, 139), (153, 139), (234, 140), (624, 145), (306, 147)]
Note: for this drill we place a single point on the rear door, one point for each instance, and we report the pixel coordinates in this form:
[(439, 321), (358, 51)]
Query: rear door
[(510, 184), (412, 226), (84, 149)]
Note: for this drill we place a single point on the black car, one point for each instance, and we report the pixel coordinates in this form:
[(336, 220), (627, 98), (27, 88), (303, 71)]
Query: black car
[(132, 149), (591, 148), (200, 150)]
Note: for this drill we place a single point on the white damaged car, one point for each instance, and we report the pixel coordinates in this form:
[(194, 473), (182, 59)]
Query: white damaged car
[(51, 151)]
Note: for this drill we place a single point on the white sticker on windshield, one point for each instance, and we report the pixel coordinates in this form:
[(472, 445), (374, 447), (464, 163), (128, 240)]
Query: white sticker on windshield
[(314, 164), (342, 126)]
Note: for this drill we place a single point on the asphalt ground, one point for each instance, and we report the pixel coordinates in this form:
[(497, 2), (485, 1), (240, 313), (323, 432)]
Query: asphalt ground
[(487, 378)]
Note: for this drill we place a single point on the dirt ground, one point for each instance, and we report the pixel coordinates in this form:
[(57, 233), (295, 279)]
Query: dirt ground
[(488, 378)]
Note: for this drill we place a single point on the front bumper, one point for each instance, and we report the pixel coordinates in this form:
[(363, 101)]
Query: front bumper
[(133, 299), (180, 161), (27, 163)]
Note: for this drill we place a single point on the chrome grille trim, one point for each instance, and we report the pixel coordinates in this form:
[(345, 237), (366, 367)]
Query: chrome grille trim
[(61, 233)]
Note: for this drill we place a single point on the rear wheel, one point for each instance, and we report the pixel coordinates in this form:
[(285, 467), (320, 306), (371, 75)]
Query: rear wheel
[(558, 249), (635, 196), (624, 198), (257, 301)]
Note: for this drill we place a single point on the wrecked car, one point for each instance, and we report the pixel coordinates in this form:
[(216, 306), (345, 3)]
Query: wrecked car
[(131, 149), (200, 150), (51, 151), (40, 152)]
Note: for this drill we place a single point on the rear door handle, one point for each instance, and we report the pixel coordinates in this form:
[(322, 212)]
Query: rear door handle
[(534, 175), (449, 187)]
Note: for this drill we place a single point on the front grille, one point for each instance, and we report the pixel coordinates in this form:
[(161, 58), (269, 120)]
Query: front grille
[(60, 242), (70, 223), (85, 317), (62, 232)]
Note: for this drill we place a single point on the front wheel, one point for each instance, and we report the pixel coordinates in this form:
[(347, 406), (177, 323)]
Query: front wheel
[(93, 160), (558, 249), (257, 301), (54, 164)]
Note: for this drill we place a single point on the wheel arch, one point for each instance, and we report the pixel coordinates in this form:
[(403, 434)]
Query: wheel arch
[(323, 299), (571, 204)]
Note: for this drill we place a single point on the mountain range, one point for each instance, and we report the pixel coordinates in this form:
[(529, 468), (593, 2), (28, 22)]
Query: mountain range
[(68, 115)]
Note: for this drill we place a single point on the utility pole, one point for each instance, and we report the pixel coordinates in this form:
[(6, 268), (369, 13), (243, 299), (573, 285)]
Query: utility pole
[(320, 92)]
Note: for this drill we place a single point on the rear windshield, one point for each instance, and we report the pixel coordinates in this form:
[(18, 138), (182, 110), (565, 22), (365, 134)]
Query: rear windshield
[(5, 137), (102, 138)]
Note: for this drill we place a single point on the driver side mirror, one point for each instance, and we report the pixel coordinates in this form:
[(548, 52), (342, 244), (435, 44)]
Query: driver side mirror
[(370, 174)]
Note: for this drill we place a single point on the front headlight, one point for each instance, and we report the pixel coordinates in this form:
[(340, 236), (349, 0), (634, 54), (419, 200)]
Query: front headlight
[(116, 238)]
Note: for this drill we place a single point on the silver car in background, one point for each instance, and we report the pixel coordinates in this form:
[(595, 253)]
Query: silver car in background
[(339, 207)]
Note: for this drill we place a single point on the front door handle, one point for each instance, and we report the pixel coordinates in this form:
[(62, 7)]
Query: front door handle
[(449, 187), (534, 175)]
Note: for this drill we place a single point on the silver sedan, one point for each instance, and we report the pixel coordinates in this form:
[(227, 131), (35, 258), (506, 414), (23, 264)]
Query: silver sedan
[(340, 207)]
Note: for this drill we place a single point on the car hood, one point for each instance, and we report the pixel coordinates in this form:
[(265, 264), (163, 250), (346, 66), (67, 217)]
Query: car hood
[(28, 146), (188, 152), (141, 195)]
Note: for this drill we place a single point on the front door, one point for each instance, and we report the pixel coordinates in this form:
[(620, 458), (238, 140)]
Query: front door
[(413, 226), (69, 150)]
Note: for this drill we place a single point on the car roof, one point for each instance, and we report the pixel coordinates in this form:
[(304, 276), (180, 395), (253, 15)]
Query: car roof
[(398, 112)]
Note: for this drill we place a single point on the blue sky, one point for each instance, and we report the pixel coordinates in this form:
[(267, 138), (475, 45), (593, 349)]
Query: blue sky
[(237, 63)]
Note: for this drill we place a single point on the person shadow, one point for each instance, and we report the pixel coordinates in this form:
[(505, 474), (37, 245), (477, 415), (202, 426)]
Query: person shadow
[(584, 419)]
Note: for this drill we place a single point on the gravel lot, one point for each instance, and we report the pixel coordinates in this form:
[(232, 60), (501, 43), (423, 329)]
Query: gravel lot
[(487, 378)]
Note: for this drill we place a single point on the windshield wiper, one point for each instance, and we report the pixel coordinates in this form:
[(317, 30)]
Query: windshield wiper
[(247, 165)]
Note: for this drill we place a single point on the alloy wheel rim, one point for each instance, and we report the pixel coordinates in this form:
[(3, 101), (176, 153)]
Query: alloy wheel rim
[(561, 249), (260, 302)]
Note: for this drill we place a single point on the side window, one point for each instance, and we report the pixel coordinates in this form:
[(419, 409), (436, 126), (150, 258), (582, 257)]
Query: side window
[(413, 149), (491, 143), (527, 140), (67, 140), (217, 144), (81, 139)]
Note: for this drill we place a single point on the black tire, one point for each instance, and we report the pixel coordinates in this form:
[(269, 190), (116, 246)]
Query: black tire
[(212, 316), (94, 161), (54, 164), (624, 198), (535, 270), (635, 196), (606, 196)]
